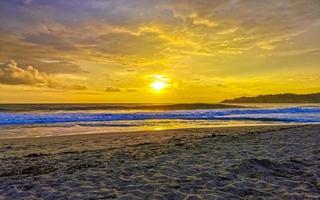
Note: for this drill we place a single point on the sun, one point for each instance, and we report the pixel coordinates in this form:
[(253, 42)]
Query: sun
[(159, 83)]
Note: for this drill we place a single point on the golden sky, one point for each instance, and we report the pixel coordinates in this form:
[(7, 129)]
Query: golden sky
[(166, 51)]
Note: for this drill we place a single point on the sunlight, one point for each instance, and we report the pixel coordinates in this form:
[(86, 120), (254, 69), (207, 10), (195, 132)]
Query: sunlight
[(159, 83)]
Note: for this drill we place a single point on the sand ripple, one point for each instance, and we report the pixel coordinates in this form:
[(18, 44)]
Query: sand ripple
[(222, 163)]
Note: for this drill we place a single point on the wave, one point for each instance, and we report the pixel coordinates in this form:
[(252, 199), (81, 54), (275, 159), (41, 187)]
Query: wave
[(292, 114), (85, 107)]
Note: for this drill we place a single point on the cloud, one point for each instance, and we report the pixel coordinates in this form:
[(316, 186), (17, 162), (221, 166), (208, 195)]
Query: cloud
[(161, 32), (201, 21), (58, 67), (78, 87), (12, 74), (207, 39), (50, 40), (140, 45), (112, 89), (131, 90), (221, 85), (48, 60)]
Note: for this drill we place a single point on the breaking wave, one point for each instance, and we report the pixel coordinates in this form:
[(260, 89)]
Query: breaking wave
[(285, 115)]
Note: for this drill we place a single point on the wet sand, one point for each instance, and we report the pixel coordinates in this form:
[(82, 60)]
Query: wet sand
[(258, 162)]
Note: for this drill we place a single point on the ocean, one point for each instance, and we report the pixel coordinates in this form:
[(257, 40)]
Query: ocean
[(39, 120)]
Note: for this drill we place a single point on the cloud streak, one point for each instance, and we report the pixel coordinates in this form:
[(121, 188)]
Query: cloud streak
[(112, 89)]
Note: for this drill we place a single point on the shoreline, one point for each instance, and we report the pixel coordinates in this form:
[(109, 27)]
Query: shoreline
[(153, 131)]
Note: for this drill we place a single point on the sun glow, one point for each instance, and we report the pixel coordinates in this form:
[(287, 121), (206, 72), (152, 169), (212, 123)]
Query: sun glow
[(158, 85), (160, 82)]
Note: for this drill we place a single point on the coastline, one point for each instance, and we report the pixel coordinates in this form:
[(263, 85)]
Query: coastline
[(159, 131), (208, 163)]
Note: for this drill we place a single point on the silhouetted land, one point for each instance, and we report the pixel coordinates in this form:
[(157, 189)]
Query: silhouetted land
[(278, 98)]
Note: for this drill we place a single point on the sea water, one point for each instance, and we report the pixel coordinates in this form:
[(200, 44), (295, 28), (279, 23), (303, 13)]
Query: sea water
[(67, 119)]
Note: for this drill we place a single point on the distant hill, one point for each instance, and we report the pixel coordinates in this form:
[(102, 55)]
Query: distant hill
[(278, 98)]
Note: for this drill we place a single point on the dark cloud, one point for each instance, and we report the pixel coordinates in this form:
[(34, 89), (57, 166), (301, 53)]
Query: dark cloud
[(50, 40), (78, 87), (131, 90), (58, 67), (221, 85), (112, 89)]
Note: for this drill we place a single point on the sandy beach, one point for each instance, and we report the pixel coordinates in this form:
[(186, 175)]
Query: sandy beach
[(252, 162)]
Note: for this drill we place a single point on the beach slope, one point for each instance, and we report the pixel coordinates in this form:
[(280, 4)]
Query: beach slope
[(276, 162)]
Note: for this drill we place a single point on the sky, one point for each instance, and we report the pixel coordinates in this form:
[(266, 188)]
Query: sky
[(156, 51)]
